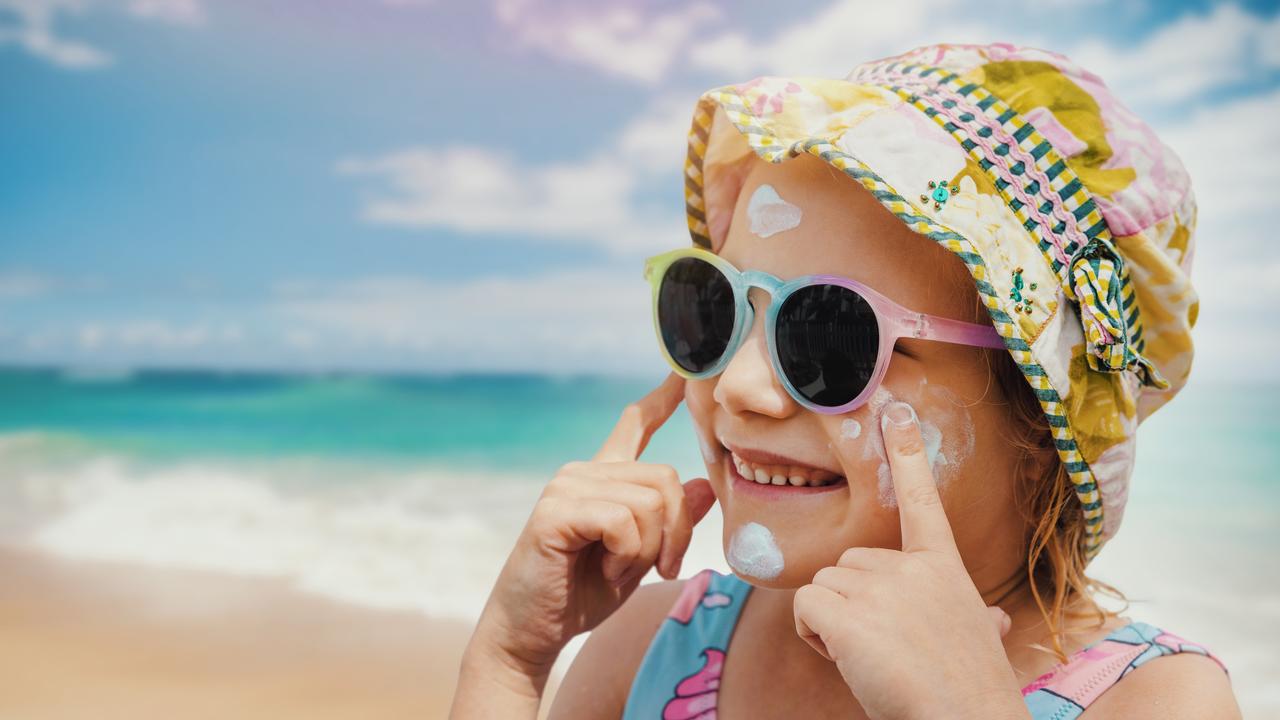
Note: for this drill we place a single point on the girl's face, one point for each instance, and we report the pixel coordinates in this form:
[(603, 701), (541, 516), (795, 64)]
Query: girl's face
[(814, 219)]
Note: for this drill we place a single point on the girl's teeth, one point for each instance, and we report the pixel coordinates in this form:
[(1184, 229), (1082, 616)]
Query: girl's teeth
[(765, 477)]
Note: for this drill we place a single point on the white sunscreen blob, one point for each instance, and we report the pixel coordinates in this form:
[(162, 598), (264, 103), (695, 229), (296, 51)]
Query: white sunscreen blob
[(769, 213), (850, 429), (752, 551)]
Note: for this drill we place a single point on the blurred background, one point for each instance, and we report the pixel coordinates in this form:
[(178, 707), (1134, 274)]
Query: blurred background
[(301, 303)]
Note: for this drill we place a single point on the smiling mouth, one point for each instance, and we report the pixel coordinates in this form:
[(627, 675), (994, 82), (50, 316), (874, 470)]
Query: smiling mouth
[(776, 485)]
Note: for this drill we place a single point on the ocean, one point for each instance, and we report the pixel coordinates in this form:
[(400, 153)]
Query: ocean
[(392, 491), (400, 491)]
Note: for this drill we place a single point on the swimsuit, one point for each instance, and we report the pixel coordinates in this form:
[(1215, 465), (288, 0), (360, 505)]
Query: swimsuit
[(680, 674)]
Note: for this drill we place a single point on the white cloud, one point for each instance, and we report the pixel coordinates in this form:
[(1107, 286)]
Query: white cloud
[(178, 12), (477, 190), (156, 336), (1229, 151), (1187, 57), (24, 284), (592, 201), (574, 320), (654, 142), (832, 41), (32, 29), (619, 40), (16, 284), (33, 26), (1177, 62)]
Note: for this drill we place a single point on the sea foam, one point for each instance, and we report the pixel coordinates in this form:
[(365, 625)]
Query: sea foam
[(390, 536)]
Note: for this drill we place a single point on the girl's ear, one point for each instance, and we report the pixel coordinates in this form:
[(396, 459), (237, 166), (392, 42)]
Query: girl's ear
[(722, 188)]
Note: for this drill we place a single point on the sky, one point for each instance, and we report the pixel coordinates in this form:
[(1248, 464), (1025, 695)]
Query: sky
[(423, 185)]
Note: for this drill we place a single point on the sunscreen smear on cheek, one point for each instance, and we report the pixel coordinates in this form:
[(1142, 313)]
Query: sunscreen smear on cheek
[(753, 552)]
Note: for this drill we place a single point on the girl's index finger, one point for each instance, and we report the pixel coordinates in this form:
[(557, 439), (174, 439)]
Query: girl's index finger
[(924, 522), (640, 420)]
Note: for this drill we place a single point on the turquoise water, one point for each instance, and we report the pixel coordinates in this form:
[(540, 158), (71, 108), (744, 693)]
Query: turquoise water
[(1213, 444), (527, 423)]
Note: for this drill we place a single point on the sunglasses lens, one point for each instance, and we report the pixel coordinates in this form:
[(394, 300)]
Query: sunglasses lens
[(695, 313), (827, 340)]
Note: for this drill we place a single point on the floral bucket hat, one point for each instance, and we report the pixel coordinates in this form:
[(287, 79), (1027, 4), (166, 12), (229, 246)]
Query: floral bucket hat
[(1073, 219)]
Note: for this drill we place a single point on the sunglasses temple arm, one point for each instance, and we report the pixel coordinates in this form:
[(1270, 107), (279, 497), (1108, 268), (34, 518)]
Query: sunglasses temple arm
[(931, 327)]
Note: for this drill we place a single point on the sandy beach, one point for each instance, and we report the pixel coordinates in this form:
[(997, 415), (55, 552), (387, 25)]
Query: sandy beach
[(100, 640)]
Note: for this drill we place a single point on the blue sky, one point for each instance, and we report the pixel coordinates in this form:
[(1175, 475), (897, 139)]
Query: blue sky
[(426, 185)]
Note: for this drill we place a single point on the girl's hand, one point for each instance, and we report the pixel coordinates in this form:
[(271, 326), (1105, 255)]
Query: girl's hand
[(596, 530), (908, 629)]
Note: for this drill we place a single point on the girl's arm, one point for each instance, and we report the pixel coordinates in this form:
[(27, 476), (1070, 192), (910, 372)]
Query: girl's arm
[(599, 680), (1179, 687), (597, 529), (494, 683)]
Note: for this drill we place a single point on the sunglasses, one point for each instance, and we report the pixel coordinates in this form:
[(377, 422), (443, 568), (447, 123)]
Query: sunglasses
[(829, 337)]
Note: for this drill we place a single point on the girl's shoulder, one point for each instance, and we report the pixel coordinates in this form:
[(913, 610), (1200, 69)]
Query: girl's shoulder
[(1194, 684)]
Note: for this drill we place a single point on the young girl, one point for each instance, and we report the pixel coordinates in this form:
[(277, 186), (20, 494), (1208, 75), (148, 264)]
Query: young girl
[(925, 310)]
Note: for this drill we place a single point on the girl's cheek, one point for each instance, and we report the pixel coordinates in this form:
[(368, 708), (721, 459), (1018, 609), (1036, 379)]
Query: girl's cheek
[(707, 444), (945, 425)]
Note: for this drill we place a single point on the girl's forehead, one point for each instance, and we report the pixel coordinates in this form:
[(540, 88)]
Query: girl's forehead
[(801, 217)]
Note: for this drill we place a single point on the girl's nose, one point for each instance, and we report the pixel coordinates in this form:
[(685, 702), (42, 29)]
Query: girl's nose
[(748, 383)]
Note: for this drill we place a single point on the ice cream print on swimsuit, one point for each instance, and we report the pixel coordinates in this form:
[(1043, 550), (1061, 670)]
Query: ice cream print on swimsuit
[(769, 213), (694, 595), (682, 668)]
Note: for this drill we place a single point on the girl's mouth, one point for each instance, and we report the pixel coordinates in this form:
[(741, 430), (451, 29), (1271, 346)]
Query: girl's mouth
[(773, 483)]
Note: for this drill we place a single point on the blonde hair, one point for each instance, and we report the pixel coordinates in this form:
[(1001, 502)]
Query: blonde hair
[(1055, 561)]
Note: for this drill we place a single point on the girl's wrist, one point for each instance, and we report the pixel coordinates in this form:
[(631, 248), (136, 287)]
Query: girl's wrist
[(493, 683), (490, 651)]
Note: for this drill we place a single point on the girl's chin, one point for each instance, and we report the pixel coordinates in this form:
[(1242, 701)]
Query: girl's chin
[(785, 581)]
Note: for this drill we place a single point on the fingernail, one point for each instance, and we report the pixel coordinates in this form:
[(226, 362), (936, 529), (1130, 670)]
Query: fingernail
[(898, 415)]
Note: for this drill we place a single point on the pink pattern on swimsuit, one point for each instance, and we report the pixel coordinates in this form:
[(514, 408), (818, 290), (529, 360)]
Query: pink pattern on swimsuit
[(696, 694)]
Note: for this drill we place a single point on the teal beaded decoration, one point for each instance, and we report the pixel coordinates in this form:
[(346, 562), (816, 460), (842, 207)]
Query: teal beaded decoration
[(939, 193), (1022, 303)]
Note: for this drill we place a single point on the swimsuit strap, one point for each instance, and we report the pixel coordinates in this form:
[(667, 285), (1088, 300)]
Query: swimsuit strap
[(1064, 692), (680, 672)]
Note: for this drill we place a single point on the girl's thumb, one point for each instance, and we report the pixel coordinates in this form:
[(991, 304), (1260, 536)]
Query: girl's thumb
[(699, 498)]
